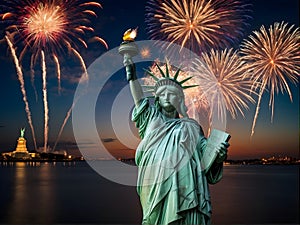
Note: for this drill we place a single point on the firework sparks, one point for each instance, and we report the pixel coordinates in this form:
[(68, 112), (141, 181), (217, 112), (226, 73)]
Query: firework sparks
[(197, 25), (48, 28), (65, 122), (195, 101), (221, 76), (22, 85), (83, 79), (145, 52), (100, 40), (85, 73), (56, 61), (46, 109), (273, 57)]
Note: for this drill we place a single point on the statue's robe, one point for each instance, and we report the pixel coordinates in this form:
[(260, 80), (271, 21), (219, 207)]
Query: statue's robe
[(172, 187)]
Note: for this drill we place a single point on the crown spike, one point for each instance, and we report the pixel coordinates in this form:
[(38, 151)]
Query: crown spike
[(190, 86), (160, 70), (176, 74), (166, 79), (151, 74), (185, 80), (167, 70)]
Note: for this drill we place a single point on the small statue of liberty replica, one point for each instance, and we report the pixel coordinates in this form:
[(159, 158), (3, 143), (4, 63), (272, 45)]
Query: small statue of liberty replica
[(172, 185)]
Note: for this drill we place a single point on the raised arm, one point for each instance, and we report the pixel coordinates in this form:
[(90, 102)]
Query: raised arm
[(135, 86)]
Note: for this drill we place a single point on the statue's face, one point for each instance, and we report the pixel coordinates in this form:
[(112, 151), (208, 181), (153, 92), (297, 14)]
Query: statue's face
[(168, 98)]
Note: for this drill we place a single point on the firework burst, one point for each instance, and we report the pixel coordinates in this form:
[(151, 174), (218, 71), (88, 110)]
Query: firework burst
[(48, 28), (145, 52), (273, 58), (197, 25), (221, 77)]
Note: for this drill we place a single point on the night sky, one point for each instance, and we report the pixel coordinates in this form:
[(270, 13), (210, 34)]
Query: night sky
[(280, 137)]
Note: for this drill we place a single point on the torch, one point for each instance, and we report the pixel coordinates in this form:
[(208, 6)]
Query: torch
[(129, 49)]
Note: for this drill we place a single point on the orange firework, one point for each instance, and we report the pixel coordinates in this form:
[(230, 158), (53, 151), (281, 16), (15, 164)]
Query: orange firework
[(145, 52), (273, 58), (48, 28)]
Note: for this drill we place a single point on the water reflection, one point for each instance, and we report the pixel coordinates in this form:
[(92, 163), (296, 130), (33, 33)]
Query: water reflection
[(257, 194), (38, 190), (58, 193), (18, 203)]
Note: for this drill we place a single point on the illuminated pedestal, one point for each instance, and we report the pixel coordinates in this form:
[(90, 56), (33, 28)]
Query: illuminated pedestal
[(21, 149), (21, 146)]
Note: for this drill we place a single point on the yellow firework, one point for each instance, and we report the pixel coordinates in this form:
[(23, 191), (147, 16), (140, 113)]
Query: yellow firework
[(197, 24), (222, 77), (273, 58)]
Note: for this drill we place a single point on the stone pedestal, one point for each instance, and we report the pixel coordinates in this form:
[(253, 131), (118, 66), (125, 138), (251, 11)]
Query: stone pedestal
[(21, 146), (21, 150)]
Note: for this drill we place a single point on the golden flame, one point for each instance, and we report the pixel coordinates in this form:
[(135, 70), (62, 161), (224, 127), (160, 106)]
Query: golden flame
[(130, 34)]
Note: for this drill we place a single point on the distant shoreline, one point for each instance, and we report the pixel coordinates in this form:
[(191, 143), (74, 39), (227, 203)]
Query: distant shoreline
[(42, 160), (263, 161)]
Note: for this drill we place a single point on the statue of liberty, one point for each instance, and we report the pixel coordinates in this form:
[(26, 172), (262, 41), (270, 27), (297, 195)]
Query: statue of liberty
[(22, 131), (172, 187)]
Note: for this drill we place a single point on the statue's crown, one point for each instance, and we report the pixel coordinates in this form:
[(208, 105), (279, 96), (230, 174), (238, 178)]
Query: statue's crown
[(166, 79)]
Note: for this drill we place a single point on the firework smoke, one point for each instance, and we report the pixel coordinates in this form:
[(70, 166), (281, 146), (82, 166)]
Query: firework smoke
[(32, 77)]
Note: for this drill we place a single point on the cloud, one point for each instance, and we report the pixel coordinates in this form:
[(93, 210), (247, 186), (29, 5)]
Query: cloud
[(68, 143), (107, 140), (65, 145)]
